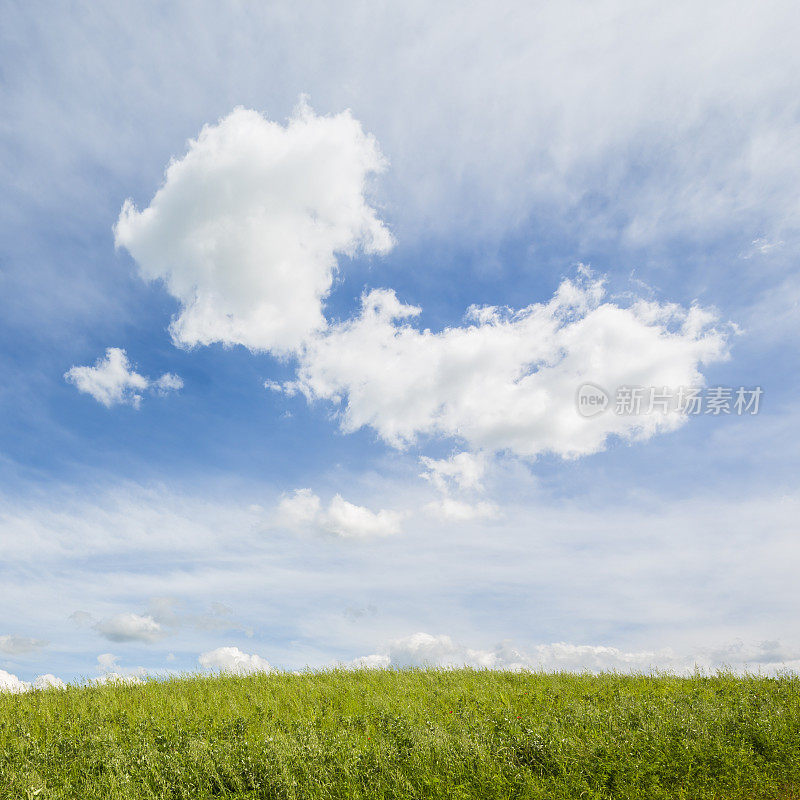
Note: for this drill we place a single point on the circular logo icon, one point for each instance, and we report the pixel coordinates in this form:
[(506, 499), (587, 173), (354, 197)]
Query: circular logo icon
[(591, 400)]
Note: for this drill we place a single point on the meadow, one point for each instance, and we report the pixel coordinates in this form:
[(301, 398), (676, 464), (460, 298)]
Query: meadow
[(395, 734)]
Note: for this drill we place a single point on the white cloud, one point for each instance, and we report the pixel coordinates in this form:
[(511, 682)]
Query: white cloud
[(232, 659), (108, 664), (48, 681), (115, 677), (11, 683), (168, 382), (507, 380), (543, 108), (303, 509), (770, 654), (462, 470), (247, 226), (130, 627), (14, 645), (113, 381), (424, 649), (245, 232), (374, 661), (351, 521), (653, 572), (462, 473), (419, 649)]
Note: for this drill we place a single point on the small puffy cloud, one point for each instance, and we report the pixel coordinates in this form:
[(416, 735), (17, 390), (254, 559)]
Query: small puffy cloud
[(351, 521), (113, 381), (420, 649), (462, 470), (232, 659), (106, 662), (14, 645), (507, 380), (48, 681), (168, 382), (374, 661), (130, 627), (462, 473), (303, 509), (424, 649), (12, 684), (115, 677), (299, 508), (246, 229), (111, 672)]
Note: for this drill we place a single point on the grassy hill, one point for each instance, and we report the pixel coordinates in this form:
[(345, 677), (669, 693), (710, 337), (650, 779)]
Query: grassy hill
[(407, 734)]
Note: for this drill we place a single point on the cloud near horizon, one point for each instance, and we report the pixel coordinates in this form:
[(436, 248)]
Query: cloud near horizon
[(233, 660), (427, 650)]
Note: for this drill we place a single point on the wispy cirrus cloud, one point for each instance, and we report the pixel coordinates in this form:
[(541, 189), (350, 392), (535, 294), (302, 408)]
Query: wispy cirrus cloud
[(15, 645), (164, 616), (661, 574)]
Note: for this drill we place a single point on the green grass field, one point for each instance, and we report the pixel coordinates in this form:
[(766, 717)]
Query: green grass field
[(407, 734)]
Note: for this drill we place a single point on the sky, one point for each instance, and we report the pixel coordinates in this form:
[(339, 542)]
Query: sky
[(298, 306)]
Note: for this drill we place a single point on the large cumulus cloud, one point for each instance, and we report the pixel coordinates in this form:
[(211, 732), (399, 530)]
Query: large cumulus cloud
[(246, 228)]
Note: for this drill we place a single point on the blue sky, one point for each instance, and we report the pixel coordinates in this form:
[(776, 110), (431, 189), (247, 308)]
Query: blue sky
[(416, 486)]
